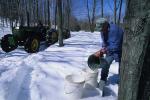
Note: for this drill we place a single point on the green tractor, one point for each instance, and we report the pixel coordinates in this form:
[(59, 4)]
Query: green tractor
[(30, 38), (52, 36)]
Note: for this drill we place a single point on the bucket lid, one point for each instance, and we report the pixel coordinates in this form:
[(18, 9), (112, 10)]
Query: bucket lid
[(74, 78)]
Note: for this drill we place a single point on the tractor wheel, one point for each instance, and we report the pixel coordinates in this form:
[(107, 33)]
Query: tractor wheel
[(51, 38), (66, 33), (54, 37), (9, 43), (32, 44)]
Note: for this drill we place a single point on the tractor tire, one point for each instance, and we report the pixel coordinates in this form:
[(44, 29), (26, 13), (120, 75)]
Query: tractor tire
[(32, 44), (51, 37), (66, 34), (54, 37), (9, 43)]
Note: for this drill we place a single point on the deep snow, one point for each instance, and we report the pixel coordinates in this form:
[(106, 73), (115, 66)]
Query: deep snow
[(40, 76)]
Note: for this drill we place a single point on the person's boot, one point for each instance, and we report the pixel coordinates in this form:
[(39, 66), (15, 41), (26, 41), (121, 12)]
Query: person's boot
[(101, 84)]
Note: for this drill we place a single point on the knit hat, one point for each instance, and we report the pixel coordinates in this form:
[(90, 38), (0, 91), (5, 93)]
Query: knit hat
[(99, 23)]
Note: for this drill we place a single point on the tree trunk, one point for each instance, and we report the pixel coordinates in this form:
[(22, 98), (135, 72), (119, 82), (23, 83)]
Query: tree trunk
[(28, 19), (56, 15), (45, 12), (135, 75), (115, 11), (59, 8), (68, 14), (48, 11), (88, 10), (144, 85), (93, 16), (91, 20), (102, 5), (27, 14), (120, 8), (34, 11), (37, 10)]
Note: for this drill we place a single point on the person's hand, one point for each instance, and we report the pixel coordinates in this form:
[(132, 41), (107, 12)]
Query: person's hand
[(103, 50), (97, 54)]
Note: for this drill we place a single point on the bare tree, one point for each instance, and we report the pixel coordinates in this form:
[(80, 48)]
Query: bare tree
[(120, 8), (45, 11), (102, 5), (60, 24), (91, 20), (115, 11), (116, 4), (68, 14), (48, 11), (55, 14), (37, 10)]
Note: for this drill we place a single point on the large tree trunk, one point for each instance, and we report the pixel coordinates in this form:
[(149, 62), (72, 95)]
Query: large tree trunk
[(59, 8), (135, 75), (144, 85)]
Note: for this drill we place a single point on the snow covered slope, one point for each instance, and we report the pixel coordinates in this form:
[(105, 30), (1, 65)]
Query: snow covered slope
[(41, 76)]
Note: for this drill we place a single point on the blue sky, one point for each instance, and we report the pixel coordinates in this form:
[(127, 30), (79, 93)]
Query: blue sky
[(80, 11)]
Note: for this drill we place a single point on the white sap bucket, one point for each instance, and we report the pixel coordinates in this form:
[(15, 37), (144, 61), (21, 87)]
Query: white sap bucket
[(74, 86), (91, 78)]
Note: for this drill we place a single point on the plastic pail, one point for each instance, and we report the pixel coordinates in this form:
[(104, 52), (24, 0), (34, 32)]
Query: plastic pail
[(91, 78), (74, 86)]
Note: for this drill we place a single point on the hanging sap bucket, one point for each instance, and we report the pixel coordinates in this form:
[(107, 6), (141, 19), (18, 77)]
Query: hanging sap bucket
[(74, 86), (91, 78)]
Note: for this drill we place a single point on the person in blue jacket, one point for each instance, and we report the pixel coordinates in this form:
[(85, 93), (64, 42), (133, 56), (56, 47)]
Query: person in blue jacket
[(112, 36)]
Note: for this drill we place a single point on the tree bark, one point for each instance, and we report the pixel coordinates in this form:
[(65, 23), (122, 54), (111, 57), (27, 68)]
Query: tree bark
[(93, 16), (144, 85), (134, 74)]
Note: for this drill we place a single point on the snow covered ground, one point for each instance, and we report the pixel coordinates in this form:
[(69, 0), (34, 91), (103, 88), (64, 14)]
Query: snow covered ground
[(41, 76)]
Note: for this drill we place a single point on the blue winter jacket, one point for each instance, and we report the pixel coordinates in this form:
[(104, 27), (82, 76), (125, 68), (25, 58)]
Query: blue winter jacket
[(113, 41)]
